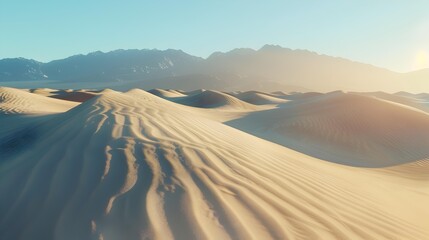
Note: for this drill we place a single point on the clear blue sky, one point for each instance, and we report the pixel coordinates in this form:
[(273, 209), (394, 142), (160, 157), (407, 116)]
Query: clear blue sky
[(392, 34)]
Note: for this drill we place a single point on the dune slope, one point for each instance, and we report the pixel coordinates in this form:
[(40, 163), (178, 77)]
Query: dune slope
[(345, 128), (214, 99), (15, 101), (134, 166), (166, 93), (259, 98)]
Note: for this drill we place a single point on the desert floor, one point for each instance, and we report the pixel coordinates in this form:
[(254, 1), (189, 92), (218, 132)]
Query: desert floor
[(170, 164)]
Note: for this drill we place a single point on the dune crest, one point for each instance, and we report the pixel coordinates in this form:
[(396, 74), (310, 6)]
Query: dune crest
[(259, 98), (214, 99), (166, 93), (15, 101)]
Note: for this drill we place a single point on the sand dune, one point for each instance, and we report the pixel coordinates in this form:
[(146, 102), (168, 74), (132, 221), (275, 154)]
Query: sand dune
[(259, 98), (346, 128), (194, 92), (413, 100), (214, 99), (43, 91), (166, 93), (14, 101), (135, 166), (304, 96)]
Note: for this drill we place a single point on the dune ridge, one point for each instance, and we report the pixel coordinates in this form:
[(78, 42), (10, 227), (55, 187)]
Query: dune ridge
[(214, 99), (259, 98), (166, 93), (15, 101)]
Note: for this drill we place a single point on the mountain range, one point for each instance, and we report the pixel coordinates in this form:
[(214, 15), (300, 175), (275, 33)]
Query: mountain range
[(270, 68)]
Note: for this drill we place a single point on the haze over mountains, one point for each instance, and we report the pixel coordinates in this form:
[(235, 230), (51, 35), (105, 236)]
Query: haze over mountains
[(267, 69)]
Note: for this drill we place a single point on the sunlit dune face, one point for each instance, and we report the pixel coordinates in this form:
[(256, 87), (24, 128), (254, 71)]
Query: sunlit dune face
[(422, 60)]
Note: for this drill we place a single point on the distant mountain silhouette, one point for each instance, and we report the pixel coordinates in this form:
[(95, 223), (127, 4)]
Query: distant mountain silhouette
[(118, 65), (17, 69), (301, 68), (267, 69)]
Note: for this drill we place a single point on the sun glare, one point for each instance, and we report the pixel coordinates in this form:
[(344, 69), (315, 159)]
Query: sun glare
[(421, 60)]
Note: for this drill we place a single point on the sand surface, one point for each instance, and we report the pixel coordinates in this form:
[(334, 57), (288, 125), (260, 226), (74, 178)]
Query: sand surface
[(213, 165), (347, 128)]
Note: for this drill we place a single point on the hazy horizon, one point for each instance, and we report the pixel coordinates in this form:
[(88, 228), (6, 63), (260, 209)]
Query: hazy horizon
[(206, 57)]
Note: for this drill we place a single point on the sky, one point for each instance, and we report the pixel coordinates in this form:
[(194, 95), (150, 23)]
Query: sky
[(393, 34)]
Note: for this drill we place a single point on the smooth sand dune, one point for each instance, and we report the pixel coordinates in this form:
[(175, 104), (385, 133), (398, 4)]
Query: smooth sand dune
[(300, 96), (279, 93), (215, 99), (194, 92), (15, 101), (43, 91), (166, 93), (259, 98), (135, 166), (412, 100), (417, 95), (420, 100), (345, 128)]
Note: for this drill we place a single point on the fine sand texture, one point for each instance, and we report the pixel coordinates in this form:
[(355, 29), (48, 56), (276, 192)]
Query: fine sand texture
[(346, 128), (15, 101), (134, 165)]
